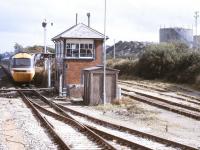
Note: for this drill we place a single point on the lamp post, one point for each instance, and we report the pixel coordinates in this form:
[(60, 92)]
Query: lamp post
[(44, 24), (104, 60), (47, 61)]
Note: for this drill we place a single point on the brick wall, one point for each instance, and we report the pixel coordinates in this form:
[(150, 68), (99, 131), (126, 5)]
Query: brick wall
[(74, 67)]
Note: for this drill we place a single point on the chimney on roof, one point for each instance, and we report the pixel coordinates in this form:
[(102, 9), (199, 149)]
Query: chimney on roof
[(76, 18), (88, 15)]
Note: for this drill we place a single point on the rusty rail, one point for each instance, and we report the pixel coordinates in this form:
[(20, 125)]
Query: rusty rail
[(162, 89), (188, 113), (98, 139), (23, 90), (129, 130), (118, 139), (63, 109), (43, 120), (101, 133), (162, 100)]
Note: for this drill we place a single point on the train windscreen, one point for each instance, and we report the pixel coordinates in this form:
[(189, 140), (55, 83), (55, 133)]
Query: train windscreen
[(21, 63)]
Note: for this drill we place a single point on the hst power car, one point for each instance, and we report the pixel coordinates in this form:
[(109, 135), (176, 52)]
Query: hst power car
[(21, 67)]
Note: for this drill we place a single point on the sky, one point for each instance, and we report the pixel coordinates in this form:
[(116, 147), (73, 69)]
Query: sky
[(126, 20)]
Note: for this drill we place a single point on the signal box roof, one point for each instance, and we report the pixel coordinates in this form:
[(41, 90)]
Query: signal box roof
[(80, 31)]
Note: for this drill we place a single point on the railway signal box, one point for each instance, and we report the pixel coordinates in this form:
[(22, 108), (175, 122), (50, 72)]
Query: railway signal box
[(77, 48)]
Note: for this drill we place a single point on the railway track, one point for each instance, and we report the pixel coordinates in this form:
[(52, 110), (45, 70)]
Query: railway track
[(159, 89), (22, 89), (115, 141), (112, 132), (167, 97), (190, 96), (183, 109), (166, 100), (45, 123), (169, 144), (182, 93), (90, 140), (158, 86)]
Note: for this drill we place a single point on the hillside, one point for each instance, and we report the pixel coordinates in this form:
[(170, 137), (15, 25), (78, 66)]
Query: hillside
[(127, 49)]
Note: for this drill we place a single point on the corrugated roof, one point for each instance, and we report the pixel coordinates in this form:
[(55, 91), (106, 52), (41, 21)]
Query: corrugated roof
[(92, 68), (98, 68), (80, 31)]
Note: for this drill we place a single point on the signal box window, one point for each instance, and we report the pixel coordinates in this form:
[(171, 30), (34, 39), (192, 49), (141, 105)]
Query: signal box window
[(79, 50)]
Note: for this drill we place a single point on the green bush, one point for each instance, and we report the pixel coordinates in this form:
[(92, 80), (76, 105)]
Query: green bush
[(173, 62), (158, 60), (187, 60), (188, 68), (126, 66)]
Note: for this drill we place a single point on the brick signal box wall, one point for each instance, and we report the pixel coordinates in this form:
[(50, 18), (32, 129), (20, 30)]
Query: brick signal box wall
[(74, 68)]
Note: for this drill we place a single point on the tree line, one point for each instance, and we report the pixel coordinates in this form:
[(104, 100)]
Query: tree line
[(31, 49)]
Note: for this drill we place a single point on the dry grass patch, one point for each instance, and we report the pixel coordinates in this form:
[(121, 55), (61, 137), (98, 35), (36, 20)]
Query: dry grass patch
[(123, 106), (127, 107)]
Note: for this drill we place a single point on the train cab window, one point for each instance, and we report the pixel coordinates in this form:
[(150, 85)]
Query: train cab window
[(22, 62)]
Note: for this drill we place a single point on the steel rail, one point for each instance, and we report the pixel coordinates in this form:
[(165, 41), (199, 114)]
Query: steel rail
[(163, 105), (118, 139), (142, 85), (90, 132), (23, 90), (162, 100), (189, 96), (164, 89), (122, 128), (43, 120), (106, 135), (161, 93), (129, 130)]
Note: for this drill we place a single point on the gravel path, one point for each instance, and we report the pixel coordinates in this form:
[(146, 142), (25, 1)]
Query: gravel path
[(19, 128)]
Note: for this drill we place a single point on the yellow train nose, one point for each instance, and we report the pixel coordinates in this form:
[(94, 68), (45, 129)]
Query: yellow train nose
[(23, 76)]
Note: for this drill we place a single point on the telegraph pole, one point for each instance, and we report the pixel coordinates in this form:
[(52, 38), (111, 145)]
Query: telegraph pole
[(196, 15), (104, 58), (114, 50)]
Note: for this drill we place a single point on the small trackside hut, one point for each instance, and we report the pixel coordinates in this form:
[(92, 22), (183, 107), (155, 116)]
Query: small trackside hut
[(93, 85), (76, 48)]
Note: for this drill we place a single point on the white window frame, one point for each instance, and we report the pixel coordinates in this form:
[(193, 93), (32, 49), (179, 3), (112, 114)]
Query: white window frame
[(78, 44)]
